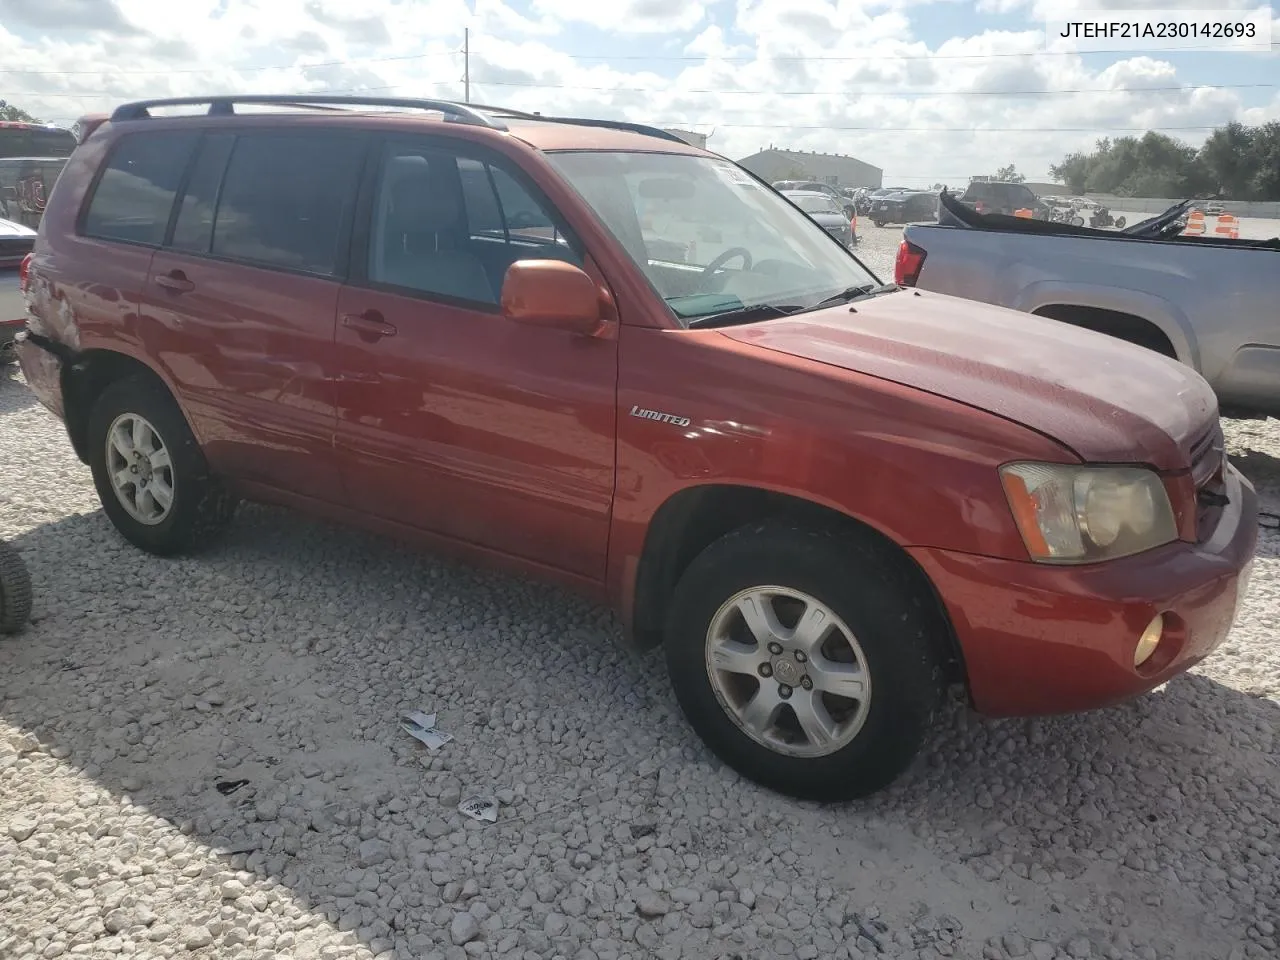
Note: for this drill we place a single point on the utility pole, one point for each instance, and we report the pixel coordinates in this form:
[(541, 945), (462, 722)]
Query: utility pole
[(466, 64)]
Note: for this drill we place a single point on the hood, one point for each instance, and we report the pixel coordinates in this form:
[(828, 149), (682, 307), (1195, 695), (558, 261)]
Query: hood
[(1108, 401)]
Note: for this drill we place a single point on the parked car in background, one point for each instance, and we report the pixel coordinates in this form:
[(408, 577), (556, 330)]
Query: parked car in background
[(25, 185), (1164, 293), (905, 207), (826, 213), (825, 497), (1213, 208), (997, 196), (16, 242), (18, 139), (817, 186)]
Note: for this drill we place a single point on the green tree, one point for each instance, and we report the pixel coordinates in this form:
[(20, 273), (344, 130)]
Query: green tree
[(1010, 174), (1236, 162), (9, 112), (1229, 158)]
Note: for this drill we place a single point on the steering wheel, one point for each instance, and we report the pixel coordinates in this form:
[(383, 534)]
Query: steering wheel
[(724, 258)]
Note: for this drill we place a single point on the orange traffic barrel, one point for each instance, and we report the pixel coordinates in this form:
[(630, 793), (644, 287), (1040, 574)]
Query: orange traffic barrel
[(1228, 226), (1195, 225)]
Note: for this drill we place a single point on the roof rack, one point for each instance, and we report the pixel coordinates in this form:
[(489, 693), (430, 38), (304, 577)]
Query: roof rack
[(582, 122), (470, 113), (225, 105)]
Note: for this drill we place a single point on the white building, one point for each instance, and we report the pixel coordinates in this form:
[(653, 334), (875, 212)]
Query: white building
[(833, 168)]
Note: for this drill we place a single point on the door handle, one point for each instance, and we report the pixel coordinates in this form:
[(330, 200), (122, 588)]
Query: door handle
[(175, 281), (370, 325)]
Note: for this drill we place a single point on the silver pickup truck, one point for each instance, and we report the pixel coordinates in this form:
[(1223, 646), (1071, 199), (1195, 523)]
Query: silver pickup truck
[(1212, 303)]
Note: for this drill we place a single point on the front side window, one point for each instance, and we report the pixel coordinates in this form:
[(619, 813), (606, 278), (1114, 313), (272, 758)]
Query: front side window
[(134, 196), (450, 226), (709, 237), (287, 199)]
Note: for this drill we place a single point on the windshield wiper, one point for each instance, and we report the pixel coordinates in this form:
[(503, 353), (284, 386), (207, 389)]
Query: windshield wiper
[(860, 292), (744, 314)]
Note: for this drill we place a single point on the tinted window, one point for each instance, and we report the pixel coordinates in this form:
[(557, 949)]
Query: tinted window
[(287, 200), (194, 227), (451, 226), (25, 141), (134, 197)]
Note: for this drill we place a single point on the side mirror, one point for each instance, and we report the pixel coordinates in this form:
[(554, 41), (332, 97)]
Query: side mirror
[(552, 294)]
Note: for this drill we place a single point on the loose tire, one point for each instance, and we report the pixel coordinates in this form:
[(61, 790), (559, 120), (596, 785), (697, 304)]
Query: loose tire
[(1120, 222), (151, 476), (805, 659), (15, 591)]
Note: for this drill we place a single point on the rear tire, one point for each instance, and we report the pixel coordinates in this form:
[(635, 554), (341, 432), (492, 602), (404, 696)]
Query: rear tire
[(15, 591), (878, 223), (756, 707), (151, 475)]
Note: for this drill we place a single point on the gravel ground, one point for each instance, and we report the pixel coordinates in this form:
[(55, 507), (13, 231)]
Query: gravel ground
[(284, 657)]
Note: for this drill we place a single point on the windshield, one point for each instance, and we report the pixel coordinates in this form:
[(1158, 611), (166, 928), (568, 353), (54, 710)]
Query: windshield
[(814, 204), (710, 238), (26, 140)]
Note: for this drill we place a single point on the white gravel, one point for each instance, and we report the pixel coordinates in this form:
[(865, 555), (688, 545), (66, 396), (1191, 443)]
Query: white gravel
[(285, 656)]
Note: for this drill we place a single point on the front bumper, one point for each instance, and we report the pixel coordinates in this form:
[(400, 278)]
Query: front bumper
[(1042, 639)]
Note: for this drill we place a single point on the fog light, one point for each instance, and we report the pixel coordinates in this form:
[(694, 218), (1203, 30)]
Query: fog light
[(1149, 640)]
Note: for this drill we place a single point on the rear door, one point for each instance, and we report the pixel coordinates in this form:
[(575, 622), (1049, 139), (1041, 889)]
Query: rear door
[(96, 266), (243, 298)]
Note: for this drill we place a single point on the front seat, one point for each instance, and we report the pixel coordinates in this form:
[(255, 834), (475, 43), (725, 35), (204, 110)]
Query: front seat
[(424, 229)]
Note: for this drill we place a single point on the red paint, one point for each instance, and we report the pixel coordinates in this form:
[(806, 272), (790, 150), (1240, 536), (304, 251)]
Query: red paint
[(512, 435)]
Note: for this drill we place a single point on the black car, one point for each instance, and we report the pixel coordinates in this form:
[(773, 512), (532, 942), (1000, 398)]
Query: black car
[(904, 207), (999, 196), (827, 213)]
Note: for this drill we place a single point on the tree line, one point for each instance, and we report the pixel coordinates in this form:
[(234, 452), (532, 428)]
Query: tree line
[(1236, 162)]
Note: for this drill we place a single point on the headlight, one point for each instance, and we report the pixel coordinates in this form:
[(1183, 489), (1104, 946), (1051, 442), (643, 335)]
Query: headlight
[(1076, 514)]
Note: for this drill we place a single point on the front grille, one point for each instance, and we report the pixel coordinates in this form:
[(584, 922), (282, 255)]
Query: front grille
[(1208, 468)]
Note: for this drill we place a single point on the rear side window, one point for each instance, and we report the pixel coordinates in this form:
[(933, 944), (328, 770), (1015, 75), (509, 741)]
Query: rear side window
[(287, 199), (134, 196), (193, 230)]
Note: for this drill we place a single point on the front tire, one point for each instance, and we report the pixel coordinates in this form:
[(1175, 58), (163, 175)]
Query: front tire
[(805, 659), (150, 473)]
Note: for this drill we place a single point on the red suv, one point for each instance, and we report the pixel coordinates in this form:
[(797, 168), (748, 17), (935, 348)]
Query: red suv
[(591, 351)]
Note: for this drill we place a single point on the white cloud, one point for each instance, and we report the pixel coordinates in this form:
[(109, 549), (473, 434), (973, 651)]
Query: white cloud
[(629, 16), (827, 75)]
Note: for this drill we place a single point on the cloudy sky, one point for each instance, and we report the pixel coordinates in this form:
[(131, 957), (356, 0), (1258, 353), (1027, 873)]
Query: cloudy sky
[(929, 90)]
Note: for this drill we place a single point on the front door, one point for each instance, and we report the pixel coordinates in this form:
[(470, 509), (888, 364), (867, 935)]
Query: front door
[(451, 418)]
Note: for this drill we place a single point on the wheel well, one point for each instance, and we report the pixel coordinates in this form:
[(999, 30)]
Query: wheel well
[(83, 382), (1122, 326), (693, 519)]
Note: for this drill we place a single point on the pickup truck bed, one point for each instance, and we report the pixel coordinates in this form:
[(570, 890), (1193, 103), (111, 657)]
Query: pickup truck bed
[(1212, 303)]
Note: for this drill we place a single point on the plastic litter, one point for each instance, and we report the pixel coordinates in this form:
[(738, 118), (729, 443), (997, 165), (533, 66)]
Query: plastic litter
[(422, 727), (483, 809)]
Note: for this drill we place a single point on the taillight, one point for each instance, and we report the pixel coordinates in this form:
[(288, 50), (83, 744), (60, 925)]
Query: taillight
[(906, 267), (979, 206), (24, 271), (853, 224)]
